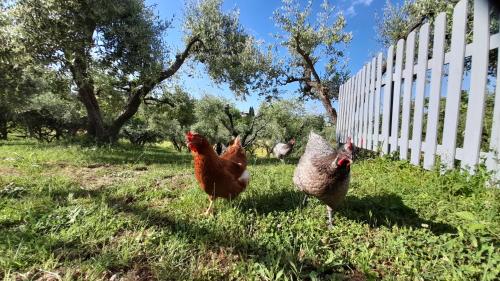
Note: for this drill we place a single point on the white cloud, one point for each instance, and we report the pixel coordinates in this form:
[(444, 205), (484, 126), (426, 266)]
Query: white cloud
[(351, 11), (364, 2)]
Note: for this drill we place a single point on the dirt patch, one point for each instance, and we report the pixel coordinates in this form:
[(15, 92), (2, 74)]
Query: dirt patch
[(138, 270), (10, 172), (222, 258), (96, 176)]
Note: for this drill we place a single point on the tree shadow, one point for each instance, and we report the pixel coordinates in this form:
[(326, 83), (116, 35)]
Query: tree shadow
[(131, 155), (389, 210), (265, 203), (269, 161)]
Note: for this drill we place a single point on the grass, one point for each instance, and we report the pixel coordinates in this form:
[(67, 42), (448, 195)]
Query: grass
[(73, 213)]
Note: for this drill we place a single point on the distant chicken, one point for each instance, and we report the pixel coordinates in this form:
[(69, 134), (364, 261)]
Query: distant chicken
[(324, 172), (225, 176), (281, 150)]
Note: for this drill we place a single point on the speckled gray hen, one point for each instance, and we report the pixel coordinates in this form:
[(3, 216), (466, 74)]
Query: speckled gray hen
[(324, 172)]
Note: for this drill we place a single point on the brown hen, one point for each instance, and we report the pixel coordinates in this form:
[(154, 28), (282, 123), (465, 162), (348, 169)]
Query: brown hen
[(225, 176)]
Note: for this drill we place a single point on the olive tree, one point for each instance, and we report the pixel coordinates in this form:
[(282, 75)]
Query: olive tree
[(311, 41), (125, 40), (220, 121)]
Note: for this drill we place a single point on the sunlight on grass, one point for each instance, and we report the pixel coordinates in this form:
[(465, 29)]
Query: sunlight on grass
[(93, 213)]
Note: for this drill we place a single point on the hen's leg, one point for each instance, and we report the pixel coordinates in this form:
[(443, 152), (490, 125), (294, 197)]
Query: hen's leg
[(329, 212), (210, 209), (304, 202)]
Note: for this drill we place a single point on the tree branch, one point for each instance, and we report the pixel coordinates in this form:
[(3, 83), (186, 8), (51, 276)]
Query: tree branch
[(135, 98), (165, 101), (307, 59)]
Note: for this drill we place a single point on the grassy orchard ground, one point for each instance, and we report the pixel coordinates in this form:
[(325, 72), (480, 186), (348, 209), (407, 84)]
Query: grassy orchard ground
[(94, 213)]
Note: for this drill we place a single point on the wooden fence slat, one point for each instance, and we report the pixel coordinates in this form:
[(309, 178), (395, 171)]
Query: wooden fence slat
[(361, 108), (408, 75), (418, 112), (339, 115), (347, 115), (346, 107), (479, 73), (435, 90), (365, 105), (455, 76), (355, 107), (376, 122), (340, 112), (358, 102), (493, 162), (352, 119), (371, 95), (396, 101), (387, 100)]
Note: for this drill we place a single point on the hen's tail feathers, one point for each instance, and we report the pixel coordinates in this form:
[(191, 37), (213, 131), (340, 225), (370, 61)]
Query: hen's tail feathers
[(237, 141)]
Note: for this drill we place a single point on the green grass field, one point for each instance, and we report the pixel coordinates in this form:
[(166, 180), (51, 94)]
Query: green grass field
[(124, 213)]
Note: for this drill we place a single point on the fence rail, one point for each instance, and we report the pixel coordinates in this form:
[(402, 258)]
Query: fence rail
[(384, 106)]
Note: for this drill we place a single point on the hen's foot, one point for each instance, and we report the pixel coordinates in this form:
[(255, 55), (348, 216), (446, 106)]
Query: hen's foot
[(210, 209)]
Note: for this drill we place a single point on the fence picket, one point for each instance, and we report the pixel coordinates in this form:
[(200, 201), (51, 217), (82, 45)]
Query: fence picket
[(344, 102), (418, 112), (455, 76), (376, 122), (387, 100), (408, 83), (396, 101), (338, 127), (493, 162), (361, 107), (435, 90), (360, 97), (353, 107), (371, 99), (479, 73), (365, 105), (348, 109)]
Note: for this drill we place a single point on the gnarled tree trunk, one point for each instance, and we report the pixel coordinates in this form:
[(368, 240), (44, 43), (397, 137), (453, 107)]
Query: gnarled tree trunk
[(86, 92)]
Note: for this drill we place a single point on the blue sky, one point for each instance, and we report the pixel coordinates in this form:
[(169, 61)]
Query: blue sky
[(256, 18)]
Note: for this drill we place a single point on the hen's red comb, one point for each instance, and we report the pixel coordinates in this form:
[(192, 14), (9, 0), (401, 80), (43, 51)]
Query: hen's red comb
[(189, 134)]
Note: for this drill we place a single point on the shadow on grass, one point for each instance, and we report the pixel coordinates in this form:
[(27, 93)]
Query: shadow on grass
[(272, 202), (389, 210), (129, 154), (271, 161)]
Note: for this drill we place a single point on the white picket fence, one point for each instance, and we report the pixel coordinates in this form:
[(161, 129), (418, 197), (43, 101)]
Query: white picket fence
[(361, 109)]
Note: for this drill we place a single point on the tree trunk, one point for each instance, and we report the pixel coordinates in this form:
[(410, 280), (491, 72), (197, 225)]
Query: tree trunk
[(3, 130), (95, 126), (330, 111)]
